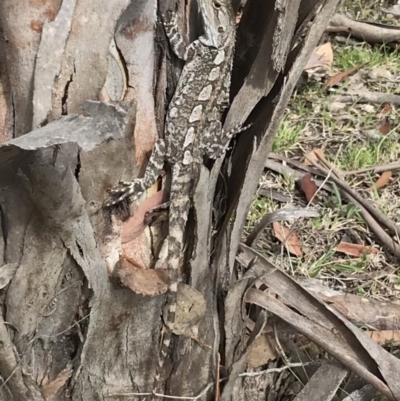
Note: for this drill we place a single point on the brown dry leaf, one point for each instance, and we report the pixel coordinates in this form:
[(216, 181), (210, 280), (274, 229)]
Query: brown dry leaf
[(321, 57), (385, 337), (356, 250), (382, 181), (263, 351), (50, 390), (385, 127), (320, 153), (142, 281), (310, 155), (313, 62), (387, 108), (288, 237), (326, 53), (338, 78), (134, 226), (309, 187), (138, 251)]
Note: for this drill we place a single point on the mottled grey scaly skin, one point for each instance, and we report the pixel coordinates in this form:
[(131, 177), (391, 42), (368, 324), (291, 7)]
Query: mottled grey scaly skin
[(193, 129)]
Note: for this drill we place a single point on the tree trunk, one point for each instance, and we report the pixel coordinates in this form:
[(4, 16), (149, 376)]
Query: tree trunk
[(83, 93)]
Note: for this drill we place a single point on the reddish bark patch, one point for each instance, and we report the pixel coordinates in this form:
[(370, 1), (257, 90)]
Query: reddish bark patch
[(135, 28), (37, 26)]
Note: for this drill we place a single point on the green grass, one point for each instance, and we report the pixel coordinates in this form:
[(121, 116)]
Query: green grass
[(328, 263), (349, 56), (371, 153), (289, 182), (310, 123), (259, 208), (364, 9), (300, 106), (320, 264), (288, 135), (352, 212)]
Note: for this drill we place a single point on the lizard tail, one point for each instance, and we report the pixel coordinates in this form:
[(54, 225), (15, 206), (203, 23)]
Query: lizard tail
[(178, 215)]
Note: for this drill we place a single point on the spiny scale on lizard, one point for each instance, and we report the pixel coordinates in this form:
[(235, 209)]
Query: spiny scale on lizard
[(193, 129)]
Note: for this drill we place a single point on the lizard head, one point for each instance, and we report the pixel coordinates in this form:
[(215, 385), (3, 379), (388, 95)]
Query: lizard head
[(218, 22)]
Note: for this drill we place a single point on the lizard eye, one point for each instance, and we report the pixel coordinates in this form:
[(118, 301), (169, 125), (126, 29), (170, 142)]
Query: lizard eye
[(217, 5), (221, 29)]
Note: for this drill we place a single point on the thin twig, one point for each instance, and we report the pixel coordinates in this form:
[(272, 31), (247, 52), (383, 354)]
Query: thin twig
[(186, 398), (279, 346), (320, 188), (64, 331), (128, 395), (321, 157), (368, 97), (9, 376), (276, 370), (295, 163), (377, 169), (209, 385), (283, 354)]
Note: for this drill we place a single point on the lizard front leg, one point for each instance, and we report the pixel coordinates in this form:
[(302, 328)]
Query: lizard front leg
[(216, 140), (136, 188)]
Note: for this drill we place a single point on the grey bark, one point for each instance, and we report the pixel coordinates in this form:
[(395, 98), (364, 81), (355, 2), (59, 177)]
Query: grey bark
[(83, 89)]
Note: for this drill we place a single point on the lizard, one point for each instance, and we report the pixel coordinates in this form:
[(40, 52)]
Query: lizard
[(193, 130)]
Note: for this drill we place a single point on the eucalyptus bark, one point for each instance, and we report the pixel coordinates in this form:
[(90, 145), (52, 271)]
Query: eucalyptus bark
[(83, 92)]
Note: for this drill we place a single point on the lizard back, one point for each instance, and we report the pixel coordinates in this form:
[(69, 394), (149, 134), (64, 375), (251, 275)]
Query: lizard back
[(194, 114)]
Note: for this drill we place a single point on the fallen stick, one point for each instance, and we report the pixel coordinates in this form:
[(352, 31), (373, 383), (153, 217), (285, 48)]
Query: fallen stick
[(368, 32), (368, 97), (377, 169)]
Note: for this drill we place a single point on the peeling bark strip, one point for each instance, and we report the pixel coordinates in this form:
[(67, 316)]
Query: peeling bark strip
[(322, 324), (66, 332)]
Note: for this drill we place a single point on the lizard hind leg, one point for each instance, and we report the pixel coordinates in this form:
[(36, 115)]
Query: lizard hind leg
[(136, 188)]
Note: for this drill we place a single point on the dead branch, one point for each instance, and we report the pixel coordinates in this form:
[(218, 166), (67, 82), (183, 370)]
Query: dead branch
[(321, 324), (368, 97), (376, 169), (365, 31)]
